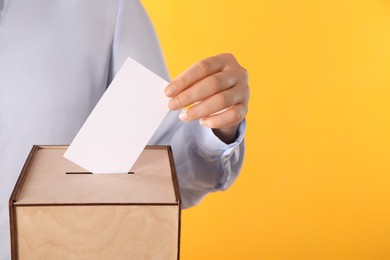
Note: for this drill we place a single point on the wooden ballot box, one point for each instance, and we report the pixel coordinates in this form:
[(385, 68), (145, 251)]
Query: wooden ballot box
[(59, 211)]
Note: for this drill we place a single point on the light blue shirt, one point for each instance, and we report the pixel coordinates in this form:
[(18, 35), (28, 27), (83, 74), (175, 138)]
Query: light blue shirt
[(57, 58)]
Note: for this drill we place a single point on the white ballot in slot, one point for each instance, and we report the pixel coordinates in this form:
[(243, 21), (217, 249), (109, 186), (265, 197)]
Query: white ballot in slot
[(122, 122)]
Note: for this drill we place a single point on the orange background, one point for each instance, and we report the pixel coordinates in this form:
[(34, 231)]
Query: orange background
[(316, 178)]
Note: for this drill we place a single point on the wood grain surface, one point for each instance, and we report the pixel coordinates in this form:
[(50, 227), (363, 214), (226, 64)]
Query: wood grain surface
[(48, 183), (97, 232)]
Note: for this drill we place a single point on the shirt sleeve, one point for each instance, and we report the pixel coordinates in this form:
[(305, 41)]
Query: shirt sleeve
[(203, 162)]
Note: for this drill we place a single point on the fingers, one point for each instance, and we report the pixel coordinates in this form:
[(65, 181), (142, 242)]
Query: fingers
[(214, 90), (230, 117), (203, 89), (216, 103), (197, 72)]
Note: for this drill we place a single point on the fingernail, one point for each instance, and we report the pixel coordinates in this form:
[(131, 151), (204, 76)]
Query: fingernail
[(183, 115), (170, 91), (203, 122), (173, 104)]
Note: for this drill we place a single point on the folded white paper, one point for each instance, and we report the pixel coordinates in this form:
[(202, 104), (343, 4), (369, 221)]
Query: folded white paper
[(122, 122)]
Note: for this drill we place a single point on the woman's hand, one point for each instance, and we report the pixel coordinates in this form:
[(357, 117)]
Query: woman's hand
[(214, 90)]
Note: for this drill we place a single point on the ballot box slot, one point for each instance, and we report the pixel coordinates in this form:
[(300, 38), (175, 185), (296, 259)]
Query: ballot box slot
[(97, 174)]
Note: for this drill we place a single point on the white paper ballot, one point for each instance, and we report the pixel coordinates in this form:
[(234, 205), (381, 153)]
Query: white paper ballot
[(122, 122)]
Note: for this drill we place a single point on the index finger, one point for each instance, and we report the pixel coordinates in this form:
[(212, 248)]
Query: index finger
[(194, 73)]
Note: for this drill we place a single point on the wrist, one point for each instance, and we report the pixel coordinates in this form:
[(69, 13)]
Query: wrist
[(227, 134)]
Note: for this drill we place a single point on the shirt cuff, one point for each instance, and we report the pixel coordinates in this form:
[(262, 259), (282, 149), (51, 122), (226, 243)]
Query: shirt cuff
[(211, 145)]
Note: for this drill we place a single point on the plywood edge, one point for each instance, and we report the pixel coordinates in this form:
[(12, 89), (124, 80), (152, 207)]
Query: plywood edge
[(162, 147), (177, 194), (14, 196), (55, 146), (93, 204), (22, 177), (175, 180)]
